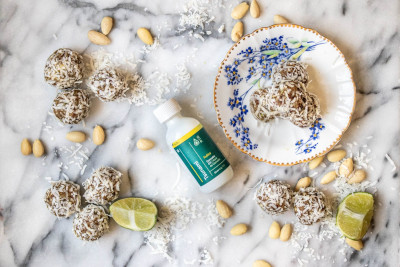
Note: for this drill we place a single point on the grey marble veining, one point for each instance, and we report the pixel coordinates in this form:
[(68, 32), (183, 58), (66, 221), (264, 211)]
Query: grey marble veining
[(367, 32)]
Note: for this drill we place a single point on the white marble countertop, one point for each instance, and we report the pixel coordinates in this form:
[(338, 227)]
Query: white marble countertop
[(367, 32)]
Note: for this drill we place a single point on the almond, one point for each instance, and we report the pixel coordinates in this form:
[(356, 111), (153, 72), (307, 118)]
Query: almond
[(261, 263), (240, 10), (145, 35), (76, 137), (329, 177), (237, 32), (315, 162), (26, 147), (346, 168), (254, 9), (106, 25), (144, 144), (98, 38), (274, 230), (356, 244), (223, 209), (239, 229), (286, 232), (303, 183), (98, 135), (38, 148), (278, 19), (336, 155), (357, 177)]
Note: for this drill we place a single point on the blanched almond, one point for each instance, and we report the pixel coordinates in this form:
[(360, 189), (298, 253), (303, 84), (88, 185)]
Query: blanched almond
[(98, 38), (303, 183), (239, 229), (254, 9), (223, 209), (26, 148), (76, 137), (336, 155), (145, 35), (237, 32), (261, 263), (346, 168), (357, 177), (356, 244), (315, 162), (286, 232), (274, 230), (38, 148), (106, 25), (98, 135), (329, 177), (144, 144), (278, 19), (240, 10)]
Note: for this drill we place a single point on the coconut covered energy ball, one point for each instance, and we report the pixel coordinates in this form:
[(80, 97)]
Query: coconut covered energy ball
[(63, 199), (64, 68), (91, 223), (103, 186), (290, 71), (108, 84), (274, 197), (309, 205), (71, 106)]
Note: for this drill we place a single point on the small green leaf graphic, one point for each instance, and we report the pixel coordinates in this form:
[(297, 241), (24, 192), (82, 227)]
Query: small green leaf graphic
[(271, 52), (255, 81), (292, 40), (298, 54)]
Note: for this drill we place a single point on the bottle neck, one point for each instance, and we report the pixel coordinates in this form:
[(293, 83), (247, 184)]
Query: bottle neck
[(171, 121)]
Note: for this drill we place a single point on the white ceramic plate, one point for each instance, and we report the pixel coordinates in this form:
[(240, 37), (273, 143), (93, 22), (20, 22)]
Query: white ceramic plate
[(247, 66)]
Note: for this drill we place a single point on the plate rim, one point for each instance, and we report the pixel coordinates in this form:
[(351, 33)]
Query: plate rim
[(248, 152)]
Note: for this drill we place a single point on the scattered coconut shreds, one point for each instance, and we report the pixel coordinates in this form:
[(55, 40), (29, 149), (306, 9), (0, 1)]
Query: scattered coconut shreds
[(389, 159), (221, 28), (205, 257), (182, 79), (75, 155)]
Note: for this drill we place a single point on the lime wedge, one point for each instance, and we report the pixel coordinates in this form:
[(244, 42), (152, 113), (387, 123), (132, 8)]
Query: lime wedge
[(136, 214), (354, 215)]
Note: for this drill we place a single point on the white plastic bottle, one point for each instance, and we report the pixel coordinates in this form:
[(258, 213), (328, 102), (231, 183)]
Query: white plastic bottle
[(194, 147)]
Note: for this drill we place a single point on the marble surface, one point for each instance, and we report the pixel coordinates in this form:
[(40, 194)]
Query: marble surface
[(367, 32)]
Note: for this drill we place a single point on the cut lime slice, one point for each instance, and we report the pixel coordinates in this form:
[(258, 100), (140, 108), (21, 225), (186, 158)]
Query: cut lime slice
[(354, 215), (136, 214)]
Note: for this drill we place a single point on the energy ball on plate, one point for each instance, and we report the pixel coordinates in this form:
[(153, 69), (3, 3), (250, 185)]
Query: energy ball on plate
[(103, 186), (309, 205), (108, 84), (91, 223), (290, 71), (71, 106), (274, 197), (64, 68), (63, 198)]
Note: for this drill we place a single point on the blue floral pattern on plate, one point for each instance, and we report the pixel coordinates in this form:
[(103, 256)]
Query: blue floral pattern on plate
[(311, 143), (261, 60)]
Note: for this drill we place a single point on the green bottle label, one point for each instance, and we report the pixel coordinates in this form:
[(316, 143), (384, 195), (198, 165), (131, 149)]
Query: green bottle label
[(200, 155)]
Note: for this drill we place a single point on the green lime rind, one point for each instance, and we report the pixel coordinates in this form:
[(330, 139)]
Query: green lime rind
[(137, 214), (354, 215)]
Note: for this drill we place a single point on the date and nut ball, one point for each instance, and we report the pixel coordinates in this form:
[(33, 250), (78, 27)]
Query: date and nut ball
[(290, 71), (274, 197), (64, 68), (90, 223), (103, 186), (309, 205), (71, 106), (63, 198), (108, 84)]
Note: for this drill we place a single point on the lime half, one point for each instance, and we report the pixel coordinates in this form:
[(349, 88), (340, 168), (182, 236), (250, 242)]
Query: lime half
[(136, 214), (355, 214)]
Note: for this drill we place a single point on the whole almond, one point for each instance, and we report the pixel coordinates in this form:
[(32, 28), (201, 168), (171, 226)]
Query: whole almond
[(237, 32), (239, 229), (254, 9), (303, 183), (356, 244), (38, 148), (26, 148), (145, 35), (106, 25), (223, 209), (274, 230), (98, 38), (286, 232), (315, 162), (98, 135), (278, 19), (336, 155), (329, 177), (240, 10), (346, 168), (261, 263), (76, 137), (357, 177), (144, 144)]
